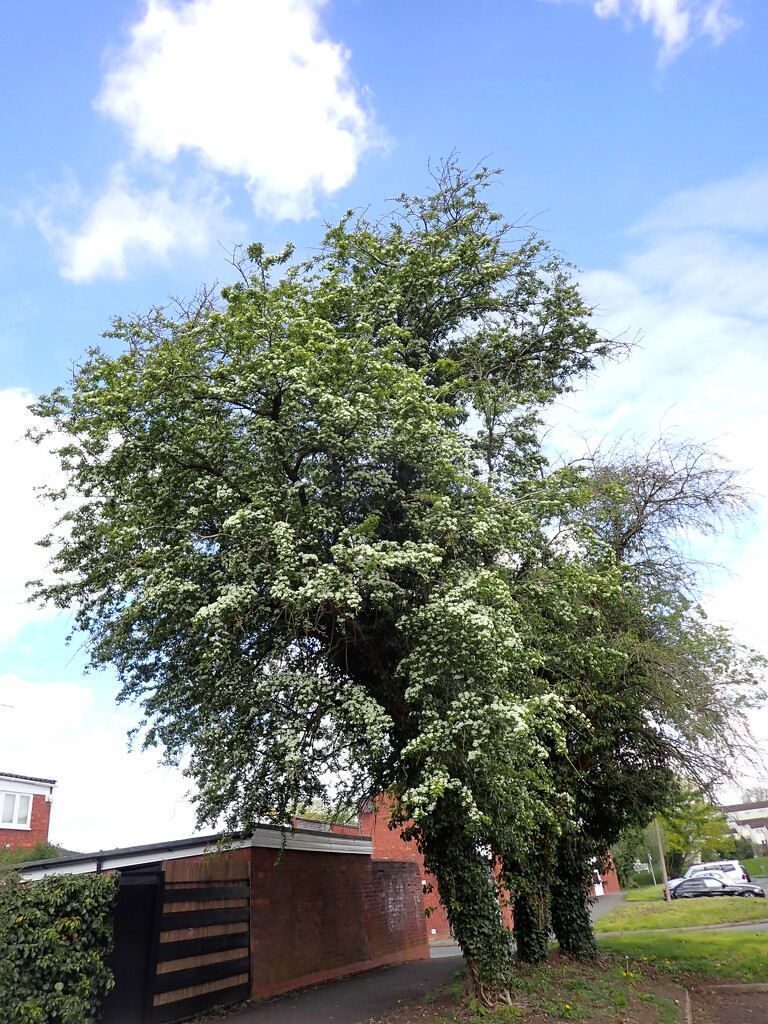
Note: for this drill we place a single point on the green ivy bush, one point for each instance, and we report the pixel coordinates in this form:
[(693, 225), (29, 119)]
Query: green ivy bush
[(54, 936)]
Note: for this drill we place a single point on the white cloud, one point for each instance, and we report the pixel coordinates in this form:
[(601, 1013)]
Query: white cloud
[(105, 796), (675, 23), (67, 731), (209, 92), (23, 518), (252, 87), (128, 223), (737, 204)]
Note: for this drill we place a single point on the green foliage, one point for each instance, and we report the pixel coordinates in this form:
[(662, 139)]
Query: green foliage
[(55, 934), (40, 851), (690, 827), (571, 896), (341, 814), (532, 922), (643, 878), (742, 848), (628, 849)]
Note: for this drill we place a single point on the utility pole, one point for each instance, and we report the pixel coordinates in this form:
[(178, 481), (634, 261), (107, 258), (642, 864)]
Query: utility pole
[(667, 894)]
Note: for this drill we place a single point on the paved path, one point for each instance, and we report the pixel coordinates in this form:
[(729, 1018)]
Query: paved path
[(357, 999), (603, 904)]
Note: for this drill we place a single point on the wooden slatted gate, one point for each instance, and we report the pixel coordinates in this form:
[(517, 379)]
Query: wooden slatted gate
[(203, 952)]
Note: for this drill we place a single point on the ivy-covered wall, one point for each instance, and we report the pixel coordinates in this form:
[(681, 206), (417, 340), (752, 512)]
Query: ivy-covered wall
[(54, 936)]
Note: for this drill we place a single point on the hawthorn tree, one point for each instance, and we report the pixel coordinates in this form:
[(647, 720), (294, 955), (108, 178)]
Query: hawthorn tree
[(311, 527), (301, 526)]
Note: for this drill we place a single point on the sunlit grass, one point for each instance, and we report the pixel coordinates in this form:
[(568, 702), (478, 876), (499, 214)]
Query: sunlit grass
[(740, 955), (756, 866), (683, 913), (645, 894)]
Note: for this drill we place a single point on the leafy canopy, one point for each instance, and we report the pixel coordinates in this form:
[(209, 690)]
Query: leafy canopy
[(294, 542)]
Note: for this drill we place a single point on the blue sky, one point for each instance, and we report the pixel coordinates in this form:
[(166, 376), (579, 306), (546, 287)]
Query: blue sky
[(144, 138)]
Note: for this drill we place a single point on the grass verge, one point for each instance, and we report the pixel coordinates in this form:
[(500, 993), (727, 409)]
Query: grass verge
[(757, 866), (631, 917), (740, 956), (645, 894)]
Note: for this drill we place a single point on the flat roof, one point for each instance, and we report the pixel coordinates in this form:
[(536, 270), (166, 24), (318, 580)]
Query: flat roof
[(270, 836), (26, 778)]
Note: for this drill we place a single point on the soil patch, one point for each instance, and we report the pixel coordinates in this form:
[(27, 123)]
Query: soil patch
[(729, 1007)]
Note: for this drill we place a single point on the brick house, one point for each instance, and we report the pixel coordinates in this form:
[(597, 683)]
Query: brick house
[(25, 810)]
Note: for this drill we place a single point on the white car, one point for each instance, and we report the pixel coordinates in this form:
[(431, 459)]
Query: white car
[(728, 870), (731, 868)]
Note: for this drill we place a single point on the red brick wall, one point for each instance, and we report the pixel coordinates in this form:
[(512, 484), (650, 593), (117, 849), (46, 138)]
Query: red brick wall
[(316, 916), (18, 838), (389, 845), (394, 908), (611, 880)]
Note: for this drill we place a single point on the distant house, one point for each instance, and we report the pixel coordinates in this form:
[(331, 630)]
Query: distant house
[(750, 821), (25, 810)]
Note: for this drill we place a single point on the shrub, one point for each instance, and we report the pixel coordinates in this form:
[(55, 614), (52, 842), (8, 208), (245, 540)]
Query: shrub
[(54, 936), (643, 878), (40, 851)]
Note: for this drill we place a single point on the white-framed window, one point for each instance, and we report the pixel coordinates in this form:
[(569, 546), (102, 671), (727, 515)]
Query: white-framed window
[(15, 810)]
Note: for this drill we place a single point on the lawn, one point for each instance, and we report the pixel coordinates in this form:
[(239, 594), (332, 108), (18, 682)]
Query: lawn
[(645, 893), (757, 866), (632, 917), (734, 955)]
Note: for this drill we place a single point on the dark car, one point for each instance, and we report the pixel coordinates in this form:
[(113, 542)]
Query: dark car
[(714, 885)]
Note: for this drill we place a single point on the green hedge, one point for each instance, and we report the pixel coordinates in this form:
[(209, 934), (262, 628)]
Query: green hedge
[(54, 936), (644, 878)]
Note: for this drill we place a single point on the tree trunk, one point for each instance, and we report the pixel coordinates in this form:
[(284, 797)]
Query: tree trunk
[(571, 888), (469, 893), (531, 930)]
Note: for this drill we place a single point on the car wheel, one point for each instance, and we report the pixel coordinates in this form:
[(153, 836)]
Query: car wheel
[(748, 895)]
